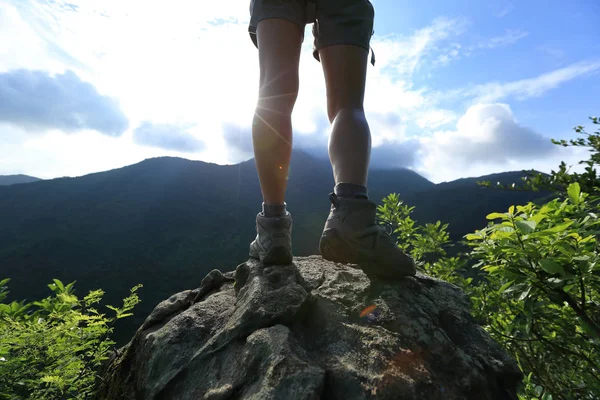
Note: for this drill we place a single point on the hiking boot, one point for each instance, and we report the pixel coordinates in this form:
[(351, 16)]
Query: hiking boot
[(352, 236), (273, 243)]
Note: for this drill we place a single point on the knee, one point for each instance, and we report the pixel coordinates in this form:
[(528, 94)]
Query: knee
[(278, 91), (346, 113)]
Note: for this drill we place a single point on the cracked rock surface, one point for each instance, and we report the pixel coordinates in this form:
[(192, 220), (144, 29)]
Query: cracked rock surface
[(311, 330)]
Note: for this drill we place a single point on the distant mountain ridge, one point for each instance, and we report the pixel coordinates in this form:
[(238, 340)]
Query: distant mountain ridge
[(6, 180), (463, 204), (167, 221)]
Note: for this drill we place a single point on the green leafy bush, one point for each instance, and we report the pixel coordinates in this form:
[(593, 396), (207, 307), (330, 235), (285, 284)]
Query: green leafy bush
[(538, 275), (539, 296), (427, 244), (52, 349)]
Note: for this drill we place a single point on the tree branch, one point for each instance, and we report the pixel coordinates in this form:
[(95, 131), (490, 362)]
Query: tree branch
[(582, 287), (580, 313), (512, 337)]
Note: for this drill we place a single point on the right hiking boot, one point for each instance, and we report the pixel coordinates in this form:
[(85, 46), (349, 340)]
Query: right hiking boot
[(273, 243), (352, 235)]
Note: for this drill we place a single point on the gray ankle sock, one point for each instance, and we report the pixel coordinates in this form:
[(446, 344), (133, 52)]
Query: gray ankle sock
[(274, 210), (351, 190)]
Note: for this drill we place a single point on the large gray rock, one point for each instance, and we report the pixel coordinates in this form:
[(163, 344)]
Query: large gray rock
[(312, 330)]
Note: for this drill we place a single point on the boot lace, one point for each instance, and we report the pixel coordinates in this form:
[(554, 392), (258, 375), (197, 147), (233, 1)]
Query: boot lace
[(387, 226)]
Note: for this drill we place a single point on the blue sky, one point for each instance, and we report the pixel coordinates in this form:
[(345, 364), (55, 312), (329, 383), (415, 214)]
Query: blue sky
[(548, 35), (460, 88)]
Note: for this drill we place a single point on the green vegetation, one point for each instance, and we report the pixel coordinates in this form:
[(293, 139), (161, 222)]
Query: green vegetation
[(166, 222), (536, 285), (532, 274), (52, 349)]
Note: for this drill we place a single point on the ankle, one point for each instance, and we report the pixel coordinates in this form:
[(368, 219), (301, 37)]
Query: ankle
[(351, 190), (274, 210)]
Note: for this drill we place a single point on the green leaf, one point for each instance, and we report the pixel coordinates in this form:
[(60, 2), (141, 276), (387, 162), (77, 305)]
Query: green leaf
[(69, 287), (552, 267), (511, 210), (539, 390), (586, 327), (538, 217), (525, 293), (59, 284), (491, 269), (559, 228), (526, 226), (506, 228), (496, 216), (574, 235), (582, 258), (516, 288), (505, 286), (587, 239), (574, 191), (54, 380), (472, 236), (502, 233)]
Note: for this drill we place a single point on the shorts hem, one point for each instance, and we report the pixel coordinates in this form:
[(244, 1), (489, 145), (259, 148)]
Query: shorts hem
[(262, 15), (338, 43)]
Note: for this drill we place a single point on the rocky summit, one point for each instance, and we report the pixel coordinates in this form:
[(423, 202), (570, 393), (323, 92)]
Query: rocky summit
[(311, 330)]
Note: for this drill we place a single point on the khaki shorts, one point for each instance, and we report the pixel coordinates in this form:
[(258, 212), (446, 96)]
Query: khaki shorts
[(334, 22)]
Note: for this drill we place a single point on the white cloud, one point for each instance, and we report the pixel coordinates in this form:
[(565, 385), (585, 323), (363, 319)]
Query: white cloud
[(28, 51), (511, 36), (57, 154), (451, 53), (180, 73), (521, 89), (433, 119), (531, 87), (404, 54), (175, 137), (173, 65), (487, 139), (553, 52), (454, 51), (505, 10), (38, 101)]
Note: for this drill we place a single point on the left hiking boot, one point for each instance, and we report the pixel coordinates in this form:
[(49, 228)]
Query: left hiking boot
[(352, 235), (273, 243)]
